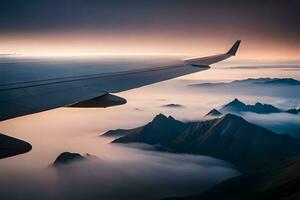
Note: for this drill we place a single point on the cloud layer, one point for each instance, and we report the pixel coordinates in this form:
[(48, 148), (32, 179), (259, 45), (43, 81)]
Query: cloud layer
[(139, 175)]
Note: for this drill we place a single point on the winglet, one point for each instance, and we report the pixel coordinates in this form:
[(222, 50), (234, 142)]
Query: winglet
[(234, 48)]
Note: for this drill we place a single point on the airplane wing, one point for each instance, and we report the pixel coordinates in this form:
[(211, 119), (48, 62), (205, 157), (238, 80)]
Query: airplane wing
[(28, 97)]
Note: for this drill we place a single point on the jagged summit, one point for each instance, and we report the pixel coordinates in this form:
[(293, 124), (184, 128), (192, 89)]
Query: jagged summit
[(235, 103)]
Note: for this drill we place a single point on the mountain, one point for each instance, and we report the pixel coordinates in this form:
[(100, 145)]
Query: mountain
[(272, 87), (278, 183), (293, 111), (160, 131), (250, 81), (10, 146), (67, 158), (230, 138), (213, 113), (236, 106), (279, 81), (121, 132)]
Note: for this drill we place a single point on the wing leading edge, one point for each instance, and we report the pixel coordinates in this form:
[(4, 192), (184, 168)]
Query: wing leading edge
[(37, 96)]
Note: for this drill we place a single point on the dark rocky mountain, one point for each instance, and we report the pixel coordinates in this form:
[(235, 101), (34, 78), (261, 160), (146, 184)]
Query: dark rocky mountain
[(270, 162), (277, 183), (160, 131), (10, 146), (231, 138), (67, 158), (236, 106), (214, 113)]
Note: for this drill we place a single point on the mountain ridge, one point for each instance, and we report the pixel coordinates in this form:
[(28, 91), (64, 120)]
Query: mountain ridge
[(237, 106), (230, 138), (261, 81)]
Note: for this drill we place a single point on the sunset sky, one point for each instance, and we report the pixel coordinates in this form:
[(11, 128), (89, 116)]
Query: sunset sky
[(268, 29)]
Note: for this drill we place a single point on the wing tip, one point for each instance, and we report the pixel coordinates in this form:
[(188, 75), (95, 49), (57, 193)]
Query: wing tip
[(232, 51)]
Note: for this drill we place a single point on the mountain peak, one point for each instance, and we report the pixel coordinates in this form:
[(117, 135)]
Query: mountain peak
[(235, 103), (160, 116), (214, 113), (258, 104), (237, 106), (161, 119), (232, 117), (67, 157), (236, 100)]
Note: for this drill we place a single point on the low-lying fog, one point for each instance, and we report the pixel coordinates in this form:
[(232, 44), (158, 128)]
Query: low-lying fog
[(134, 174), (122, 172), (277, 122)]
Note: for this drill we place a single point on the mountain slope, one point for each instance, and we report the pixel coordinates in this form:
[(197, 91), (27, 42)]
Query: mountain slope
[(213, 113), (161, 130), (121, 132), (231, 138)]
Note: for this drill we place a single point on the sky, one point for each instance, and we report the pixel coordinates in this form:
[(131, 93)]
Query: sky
[(268, 29)]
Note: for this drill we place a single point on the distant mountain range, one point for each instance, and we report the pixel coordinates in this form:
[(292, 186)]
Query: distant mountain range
[(236, 106), (10, 146), (260, 81), (230, 137), (278, 87)]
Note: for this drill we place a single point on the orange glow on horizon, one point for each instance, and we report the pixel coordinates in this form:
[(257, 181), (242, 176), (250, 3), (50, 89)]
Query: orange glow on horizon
[(184, 46)]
